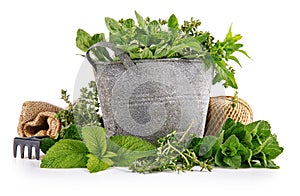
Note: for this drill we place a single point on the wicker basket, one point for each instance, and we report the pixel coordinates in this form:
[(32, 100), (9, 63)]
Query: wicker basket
[(220, 109)]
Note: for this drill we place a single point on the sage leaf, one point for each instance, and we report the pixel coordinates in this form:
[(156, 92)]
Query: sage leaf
[(112, 25), (140, 20), (173, 22), (83, 40)]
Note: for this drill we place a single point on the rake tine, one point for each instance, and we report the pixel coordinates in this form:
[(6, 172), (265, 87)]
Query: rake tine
[(15, 148), (37, 153), (22, 147), (29, 151), (30, 142)]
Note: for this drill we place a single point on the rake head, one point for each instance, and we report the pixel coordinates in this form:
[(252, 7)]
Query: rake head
[(30, 142)]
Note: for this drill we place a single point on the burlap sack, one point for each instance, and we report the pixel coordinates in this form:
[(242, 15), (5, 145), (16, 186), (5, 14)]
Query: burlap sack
[(38, 118)]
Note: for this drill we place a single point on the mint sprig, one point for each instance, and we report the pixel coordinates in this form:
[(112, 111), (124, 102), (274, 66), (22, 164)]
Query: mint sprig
[(66, 153), (96, 152)]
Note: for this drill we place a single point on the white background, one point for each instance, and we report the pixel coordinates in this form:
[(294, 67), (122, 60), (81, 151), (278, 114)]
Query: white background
[(37, 48)]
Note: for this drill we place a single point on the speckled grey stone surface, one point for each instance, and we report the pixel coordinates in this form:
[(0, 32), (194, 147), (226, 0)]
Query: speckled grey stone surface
[(153, 97), (150, 98)]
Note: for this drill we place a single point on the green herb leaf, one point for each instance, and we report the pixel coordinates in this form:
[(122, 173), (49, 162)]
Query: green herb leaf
[(235, 60), (83, 40), (128, 149), (173, 22), (205, 147), (95, 140), (143, 54), (244, 52), (233, 161), (72, 132), (230, 146), (112, 25), (140, 20), (94, 164), (46, 144), (66, 153), (271, 148)]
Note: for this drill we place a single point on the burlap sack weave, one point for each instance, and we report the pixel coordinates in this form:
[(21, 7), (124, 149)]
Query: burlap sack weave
[(220, 109), (38, 118)]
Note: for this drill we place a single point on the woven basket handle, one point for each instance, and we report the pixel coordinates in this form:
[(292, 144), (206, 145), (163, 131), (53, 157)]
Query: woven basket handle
[(124, 58)]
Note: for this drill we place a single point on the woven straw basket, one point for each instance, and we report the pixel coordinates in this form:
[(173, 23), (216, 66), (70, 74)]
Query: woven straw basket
[(220, 109)]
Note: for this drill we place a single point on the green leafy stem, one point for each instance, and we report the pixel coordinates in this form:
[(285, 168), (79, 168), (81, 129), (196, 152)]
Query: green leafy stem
[(154, 39), (86, 145)]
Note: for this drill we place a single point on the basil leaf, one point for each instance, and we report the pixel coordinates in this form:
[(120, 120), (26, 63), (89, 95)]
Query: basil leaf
[(95, 140), (66, 153)]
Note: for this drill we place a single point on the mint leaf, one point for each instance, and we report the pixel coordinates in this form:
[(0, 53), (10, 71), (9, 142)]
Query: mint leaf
[(234, 161), (205, 147), (257, 146), (95, 140), (66, 153), (128, 149), (245, 153), (46, 144), (261, 127), (219, 159), (244, 136), (72, 132), (271, 148), (94, 164), (230, 146)]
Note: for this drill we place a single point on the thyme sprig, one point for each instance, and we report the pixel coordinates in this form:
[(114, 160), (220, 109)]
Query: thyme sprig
[(172, 154), (83, 112)]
